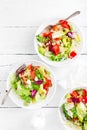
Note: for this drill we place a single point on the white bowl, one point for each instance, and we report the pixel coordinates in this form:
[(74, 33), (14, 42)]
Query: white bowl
[(67, 124), (19, 101), (56, 63)]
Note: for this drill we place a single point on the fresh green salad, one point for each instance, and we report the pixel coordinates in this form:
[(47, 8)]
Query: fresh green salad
[(58, 42), (75, 108), (31, 83)]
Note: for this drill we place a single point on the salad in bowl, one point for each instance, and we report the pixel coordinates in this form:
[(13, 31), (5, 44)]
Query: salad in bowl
[(58, 42), (32, 83), (73, 109)]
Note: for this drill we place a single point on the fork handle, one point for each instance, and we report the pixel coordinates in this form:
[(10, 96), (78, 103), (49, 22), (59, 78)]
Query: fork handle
[(72, 15), (5, 97)]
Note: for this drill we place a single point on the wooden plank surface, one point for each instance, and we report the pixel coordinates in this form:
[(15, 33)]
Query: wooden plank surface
[(24, 119), (61, 74), (19, 20), (17, 40)]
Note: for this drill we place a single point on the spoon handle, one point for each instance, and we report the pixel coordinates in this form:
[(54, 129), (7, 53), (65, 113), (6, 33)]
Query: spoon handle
[(72, 15), (5, 97)]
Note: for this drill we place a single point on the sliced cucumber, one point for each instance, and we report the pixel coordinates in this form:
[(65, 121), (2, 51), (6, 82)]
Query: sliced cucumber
[(41, 50), (85, 125), (81, 111), (66, 41)]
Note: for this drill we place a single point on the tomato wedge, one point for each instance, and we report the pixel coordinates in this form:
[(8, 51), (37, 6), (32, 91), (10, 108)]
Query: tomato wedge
[(30, 67), (84, 92), (84, 99), (32, 74), (74, 93), (47, 84), (32, 71), (69, 100), (64, 24), (55, 27), (62, 21), (45, 34), (36, 67), (45, 87), (57, 39), (56, 49), (24, 79)]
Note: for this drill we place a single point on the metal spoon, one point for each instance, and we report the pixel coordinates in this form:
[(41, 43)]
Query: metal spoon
[(21, 68), (70, 16)]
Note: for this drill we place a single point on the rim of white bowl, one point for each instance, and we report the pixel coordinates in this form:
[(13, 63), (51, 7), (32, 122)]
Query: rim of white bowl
[(41, 103), (55, 63), (61, 115)]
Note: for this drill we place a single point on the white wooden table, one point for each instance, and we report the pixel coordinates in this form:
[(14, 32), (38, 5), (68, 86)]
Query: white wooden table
[(19, 20)]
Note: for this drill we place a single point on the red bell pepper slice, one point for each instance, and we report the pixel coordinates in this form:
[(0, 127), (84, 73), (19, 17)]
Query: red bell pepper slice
[(72, 54)]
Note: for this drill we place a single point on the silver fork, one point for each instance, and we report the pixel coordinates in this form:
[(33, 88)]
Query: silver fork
[(70, 16), (21, 68)]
